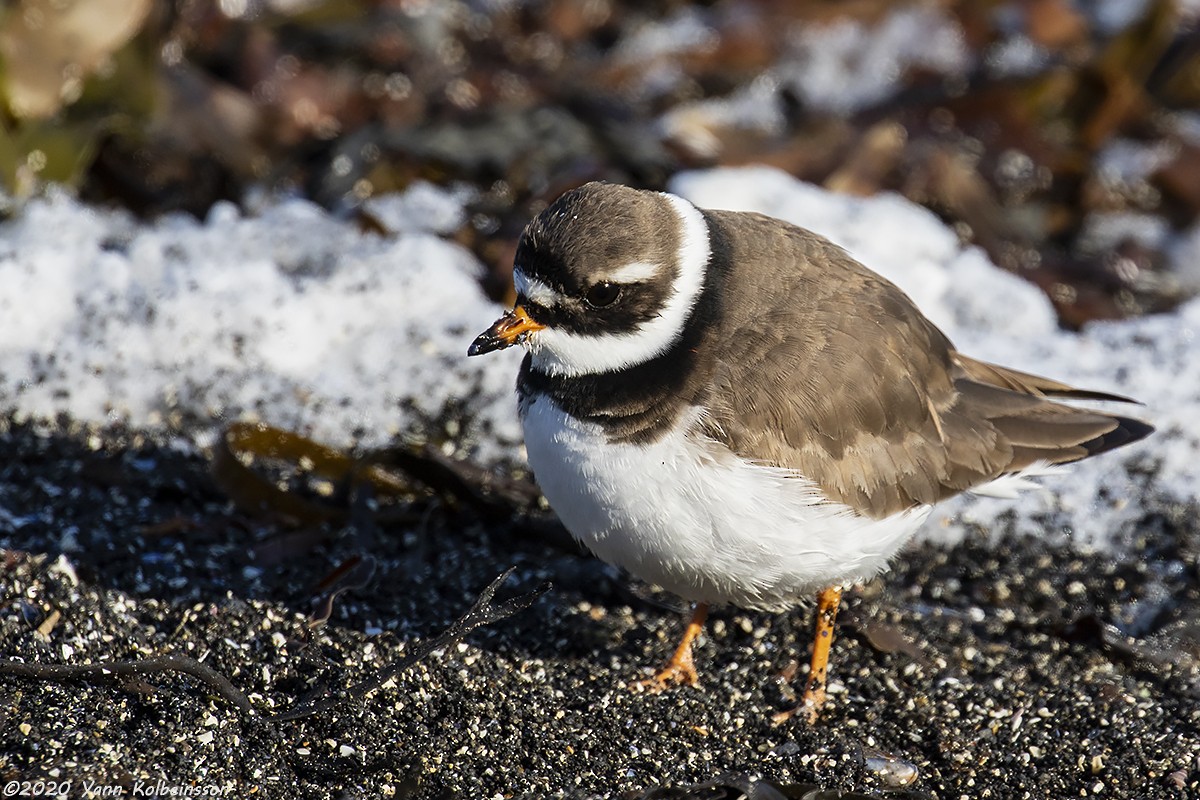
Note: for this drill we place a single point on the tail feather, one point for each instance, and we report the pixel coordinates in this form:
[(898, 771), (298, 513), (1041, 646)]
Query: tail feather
[(1127, 431), (1037, 429), (1027, 383)]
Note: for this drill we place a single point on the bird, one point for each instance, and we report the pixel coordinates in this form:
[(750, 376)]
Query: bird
[(733, 408)]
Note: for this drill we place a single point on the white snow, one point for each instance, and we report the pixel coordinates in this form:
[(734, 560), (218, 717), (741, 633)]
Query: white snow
[(755, 107), (839, 66), (290, 316), (685, 30), (303, 320), (1016, 56), (1113, 16), (1103, 231), (846, 65), (422, 207), (1184, 257), (1129, 161)]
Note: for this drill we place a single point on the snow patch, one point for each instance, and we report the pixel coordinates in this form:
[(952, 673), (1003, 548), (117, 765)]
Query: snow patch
[(291, 316)]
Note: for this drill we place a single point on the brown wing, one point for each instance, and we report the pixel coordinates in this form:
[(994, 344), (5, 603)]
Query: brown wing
[(829, 369)]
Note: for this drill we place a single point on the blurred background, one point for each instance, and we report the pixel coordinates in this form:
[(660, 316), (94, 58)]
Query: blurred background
[(1063, 138), (221, 213)]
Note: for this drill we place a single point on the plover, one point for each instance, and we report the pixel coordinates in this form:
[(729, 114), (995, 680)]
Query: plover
[(731, 407)]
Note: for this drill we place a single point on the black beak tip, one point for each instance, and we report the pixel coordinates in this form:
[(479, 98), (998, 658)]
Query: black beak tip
[(484, 343)]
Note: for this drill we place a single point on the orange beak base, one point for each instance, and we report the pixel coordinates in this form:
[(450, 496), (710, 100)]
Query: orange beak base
[(510, 329)]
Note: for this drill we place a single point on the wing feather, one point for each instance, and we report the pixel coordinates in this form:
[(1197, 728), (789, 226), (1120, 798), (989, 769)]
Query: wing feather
[(828, 369)]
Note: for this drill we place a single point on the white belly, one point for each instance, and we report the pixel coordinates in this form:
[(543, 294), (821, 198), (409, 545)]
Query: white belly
[(699, 521)]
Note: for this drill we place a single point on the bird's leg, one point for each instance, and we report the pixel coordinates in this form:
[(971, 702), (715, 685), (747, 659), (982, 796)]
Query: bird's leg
[(814, 692), (818, 671), (681, 668)]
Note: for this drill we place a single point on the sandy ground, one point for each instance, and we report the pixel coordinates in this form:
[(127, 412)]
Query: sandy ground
[(1004, 671)]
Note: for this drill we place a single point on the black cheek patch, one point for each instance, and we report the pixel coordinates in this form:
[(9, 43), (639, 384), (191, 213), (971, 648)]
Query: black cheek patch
[(559, 316), (638, 303)]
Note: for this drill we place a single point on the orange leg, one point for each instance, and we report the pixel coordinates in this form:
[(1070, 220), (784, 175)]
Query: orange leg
[(681, 668), (814, 693)]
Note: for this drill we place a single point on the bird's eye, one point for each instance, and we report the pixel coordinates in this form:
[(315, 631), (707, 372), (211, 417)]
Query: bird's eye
[(602, 294)]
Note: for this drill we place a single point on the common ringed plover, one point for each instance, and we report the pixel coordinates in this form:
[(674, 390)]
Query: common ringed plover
[(734, 409)]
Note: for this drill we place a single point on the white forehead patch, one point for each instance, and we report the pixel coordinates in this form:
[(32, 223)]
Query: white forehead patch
[(560, 352), (535, 290)]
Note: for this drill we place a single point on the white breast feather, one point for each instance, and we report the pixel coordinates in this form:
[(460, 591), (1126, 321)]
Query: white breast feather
[(700, 522)]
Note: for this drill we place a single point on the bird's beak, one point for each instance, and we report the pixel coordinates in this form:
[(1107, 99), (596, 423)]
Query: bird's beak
[(510, 329)]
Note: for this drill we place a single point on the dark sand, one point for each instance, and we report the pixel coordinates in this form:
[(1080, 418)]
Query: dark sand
[(1004, 671)]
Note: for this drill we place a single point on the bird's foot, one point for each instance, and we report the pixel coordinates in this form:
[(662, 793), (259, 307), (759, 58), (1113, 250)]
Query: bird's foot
[(809, 706), (680, 670)]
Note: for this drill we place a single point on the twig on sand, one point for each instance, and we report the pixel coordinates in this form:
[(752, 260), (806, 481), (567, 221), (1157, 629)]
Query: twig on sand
[(483, 612), (110, 671)]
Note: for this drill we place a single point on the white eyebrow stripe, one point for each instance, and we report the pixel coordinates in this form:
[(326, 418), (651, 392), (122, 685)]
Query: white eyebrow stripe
[(535, 290), (635, 272)]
